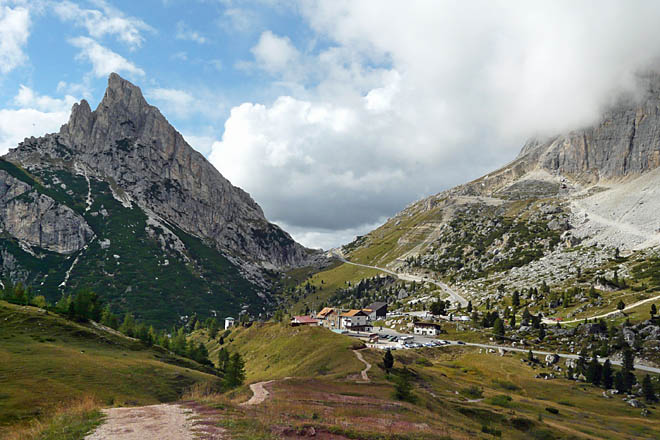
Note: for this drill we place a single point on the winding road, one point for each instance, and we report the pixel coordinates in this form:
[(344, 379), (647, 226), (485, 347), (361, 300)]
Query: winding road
[(423, 339), (455, 296), (604, 315)]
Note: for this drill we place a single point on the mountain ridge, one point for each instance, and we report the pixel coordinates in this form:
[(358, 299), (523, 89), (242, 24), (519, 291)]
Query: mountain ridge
[(117, 201), (129, 141), (591, 189)]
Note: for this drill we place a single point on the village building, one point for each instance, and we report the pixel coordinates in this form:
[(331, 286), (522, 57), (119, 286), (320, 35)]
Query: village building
[(427, 328), (355, 320), (229, 322), (376, 310), (329, 318), (304, 320)]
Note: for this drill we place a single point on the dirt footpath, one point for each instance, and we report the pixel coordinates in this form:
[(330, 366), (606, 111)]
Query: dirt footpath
[(363, 373), (158, 422), (259, 393)]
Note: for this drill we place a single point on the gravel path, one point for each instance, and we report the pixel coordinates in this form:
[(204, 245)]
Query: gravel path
[(163, 422), (365, 377), (156, 422), (259, 393)]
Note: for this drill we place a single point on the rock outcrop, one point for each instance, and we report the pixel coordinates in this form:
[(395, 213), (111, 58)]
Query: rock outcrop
[(131, 145), (625, 142), (37, 220)]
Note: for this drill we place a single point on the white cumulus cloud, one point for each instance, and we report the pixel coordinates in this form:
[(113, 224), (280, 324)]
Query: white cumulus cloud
[(274, 53), (28, 98), (104, 61), (14, 33), (35, 115), (106, 20), (410, 98)]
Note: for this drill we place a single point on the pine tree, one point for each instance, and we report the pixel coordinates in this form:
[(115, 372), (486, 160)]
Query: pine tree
[(403, 387), (512, 322), (544, 287), (621, 305), (619, 383), (647, 389), (581, 364), (179, 343), (235, 372), (388, 360), (515, 299), (498, 329), (127, 327), (606, 375), (541, 332), (628, 365), (593, 374), (223, 359), (654, 311), (469, 306)]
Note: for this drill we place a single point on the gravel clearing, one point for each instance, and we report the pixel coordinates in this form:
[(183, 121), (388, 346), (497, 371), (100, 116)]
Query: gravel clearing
[(162, 422)]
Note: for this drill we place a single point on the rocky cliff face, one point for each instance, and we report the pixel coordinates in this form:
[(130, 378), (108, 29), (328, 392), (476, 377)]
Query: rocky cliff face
[(131, 145), (625, 142), (38, 220)]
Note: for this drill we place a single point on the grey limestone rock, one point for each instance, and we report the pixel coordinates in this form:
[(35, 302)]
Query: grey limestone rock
[(131, 145), (38, 220)]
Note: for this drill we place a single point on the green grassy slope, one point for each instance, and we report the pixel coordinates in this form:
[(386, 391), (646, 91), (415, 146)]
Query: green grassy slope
[(274, 351), (46, 360), (457, 393)]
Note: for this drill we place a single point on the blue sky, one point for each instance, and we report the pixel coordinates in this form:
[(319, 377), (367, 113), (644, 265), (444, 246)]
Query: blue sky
[(200, 48), (332, 114)]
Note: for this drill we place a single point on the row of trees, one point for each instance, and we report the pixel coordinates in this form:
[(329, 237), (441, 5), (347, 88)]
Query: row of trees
[(603, 375), (85, 305)]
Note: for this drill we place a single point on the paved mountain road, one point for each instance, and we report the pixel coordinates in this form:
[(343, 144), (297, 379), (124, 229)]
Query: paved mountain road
[(455, 296), (604, 315), (423, 339)]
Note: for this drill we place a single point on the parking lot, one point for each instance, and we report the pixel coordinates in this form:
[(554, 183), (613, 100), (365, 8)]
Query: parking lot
[(393, 340)]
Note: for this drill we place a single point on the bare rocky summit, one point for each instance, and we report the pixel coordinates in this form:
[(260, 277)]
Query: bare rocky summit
[(131, 145)]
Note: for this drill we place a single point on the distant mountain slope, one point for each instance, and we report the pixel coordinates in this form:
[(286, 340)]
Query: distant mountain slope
[(595, 187), (119, 202)]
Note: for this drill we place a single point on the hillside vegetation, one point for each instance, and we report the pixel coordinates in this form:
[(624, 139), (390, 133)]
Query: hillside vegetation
[(59, 361), (275, 351)]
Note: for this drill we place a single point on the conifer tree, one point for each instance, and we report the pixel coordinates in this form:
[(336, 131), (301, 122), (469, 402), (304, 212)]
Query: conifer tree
[(498, 329), (606, 375), (388, 360), (647, 389)]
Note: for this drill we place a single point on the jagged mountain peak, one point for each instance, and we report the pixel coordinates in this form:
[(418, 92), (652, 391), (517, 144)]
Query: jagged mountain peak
[(123, 113), (130, 143)]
